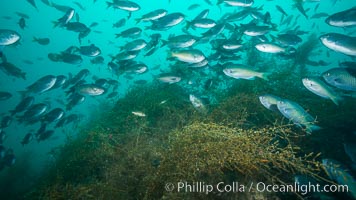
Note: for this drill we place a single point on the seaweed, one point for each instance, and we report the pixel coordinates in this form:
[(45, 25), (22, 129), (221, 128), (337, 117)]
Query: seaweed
[(124, 156)]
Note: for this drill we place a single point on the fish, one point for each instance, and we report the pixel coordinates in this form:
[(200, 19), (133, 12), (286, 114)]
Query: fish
[(340, 78), (202, 14), (201, 23), (318, 87), (239, 71), (237, 3), (79, 5), (208, 2), (5, 95), (44, 135), (65, 19), (169, 79), (269, 101), (319, 15), (5, 122), (22, 23), (270, 48), (112, 95), (54, 115), (213, 32), (166, 22), (339, 43), (346, 18), (34, 113), (135, 45), (47, 2), (41, 41), (2, 150), (9, 159), (179, 41), (61, 80), (74, 100), (193, 6), (11, 70), (151, 16), (138, 113), (188, 56), (27, 139), (339, 173), (288, 39), (254, 30), (131, 33), (61, 8), (350, 150), (3, 137), (301, 9), (33, 3), (197, 103), (294, 112), (119, 23), (90, 50), (280, 9), (22, 15), (81, 75), (24, 104), (124, 5), (40, 86), (8, 37), (90, 89), (97, 60)]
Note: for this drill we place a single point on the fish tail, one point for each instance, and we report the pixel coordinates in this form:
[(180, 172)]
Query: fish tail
[(12, 112), (55, 24), (164, 43), (23, 75), (312, 128), (337, 99), (265, 75), (169, 54), (109, 4), (137, 20), (188, 24), (23, 94)]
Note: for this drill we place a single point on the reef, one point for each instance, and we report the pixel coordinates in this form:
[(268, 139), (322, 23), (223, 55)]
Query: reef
[(125, 156)]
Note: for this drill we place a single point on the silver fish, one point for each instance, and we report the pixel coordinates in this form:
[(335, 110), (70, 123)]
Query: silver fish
[(294, 112), (340, 78), (344, 18), (340, 43), (318, 87)]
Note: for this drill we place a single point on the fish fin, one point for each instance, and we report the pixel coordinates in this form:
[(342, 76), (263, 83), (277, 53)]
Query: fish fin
[(311, 128), (23, 94), (109, 4), (188, 25), (2, 56), (138, 20), (12, 112), (265, 75), (55, 24), (23, 75), (337, 99), (164, 43), (129, 16)]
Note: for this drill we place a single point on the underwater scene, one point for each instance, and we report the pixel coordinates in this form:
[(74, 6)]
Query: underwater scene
[(178, 99)]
